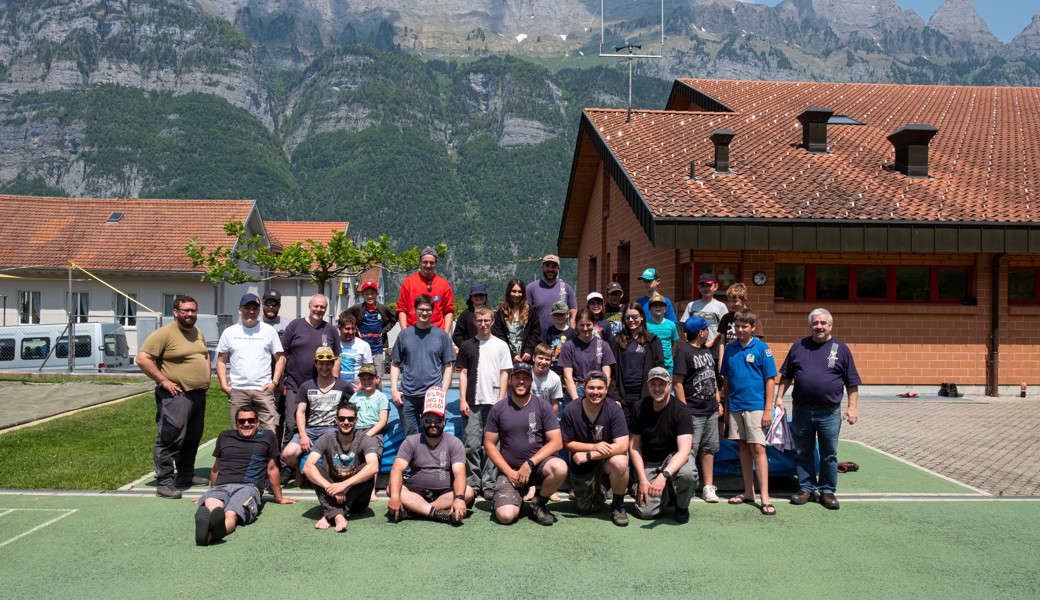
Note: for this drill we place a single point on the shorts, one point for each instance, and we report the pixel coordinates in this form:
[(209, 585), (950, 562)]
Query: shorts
[(378, 438), (241, 498), (312, 432), (428, 495), (705, 434), (747, 425), (507, 495), (587, 486)]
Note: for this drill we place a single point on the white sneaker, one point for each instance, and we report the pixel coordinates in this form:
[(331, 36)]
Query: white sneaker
[(708, 493)]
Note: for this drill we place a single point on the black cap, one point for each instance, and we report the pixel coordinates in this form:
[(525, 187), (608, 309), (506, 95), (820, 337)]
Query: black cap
[(273, 294)]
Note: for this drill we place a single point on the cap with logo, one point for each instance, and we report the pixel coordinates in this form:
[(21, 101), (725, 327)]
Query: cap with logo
[(273, 295), (523, 367), (434, 401), (657, 299), (551, 258), (560, 308), (706, 278), (614, 286), (649, 274), (369, 285)]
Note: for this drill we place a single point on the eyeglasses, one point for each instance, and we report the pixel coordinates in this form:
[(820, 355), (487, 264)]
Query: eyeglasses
[(247, 421), (632, 317), (325, 356), (346, 419), (424, 310), (433, 421), (271, 303)]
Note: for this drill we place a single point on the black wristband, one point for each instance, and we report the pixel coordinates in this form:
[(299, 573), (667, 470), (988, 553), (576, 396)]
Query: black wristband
[(530, 463), (588, 456), (666, 474), (460, 497)]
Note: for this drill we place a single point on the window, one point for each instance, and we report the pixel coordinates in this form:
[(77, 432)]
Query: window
[(35, 348), (1024, 284), (61, 349), (6, 349), (115, 345), (126, 310), (874, 283), (726, 274), (167, 303), (28, 307), (80, 305)]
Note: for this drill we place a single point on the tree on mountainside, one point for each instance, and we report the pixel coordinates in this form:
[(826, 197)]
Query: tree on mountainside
[(322, 262)]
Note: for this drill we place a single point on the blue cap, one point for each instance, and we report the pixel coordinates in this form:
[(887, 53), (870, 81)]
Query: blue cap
[(247, 298), (695, 324), (478, 289), (649, 275)]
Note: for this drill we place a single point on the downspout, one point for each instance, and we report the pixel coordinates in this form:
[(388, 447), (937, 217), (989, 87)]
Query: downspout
[(993, 373)]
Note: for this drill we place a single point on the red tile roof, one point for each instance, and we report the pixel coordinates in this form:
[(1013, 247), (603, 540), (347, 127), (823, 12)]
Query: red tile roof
[(283, 233), (47, 233), (982, 162)]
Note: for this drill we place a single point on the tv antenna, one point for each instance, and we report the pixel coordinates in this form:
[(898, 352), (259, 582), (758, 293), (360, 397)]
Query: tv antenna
[(630, 55)]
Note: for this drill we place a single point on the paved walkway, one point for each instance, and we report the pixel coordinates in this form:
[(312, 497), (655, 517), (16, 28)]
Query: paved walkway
[(989, 443)]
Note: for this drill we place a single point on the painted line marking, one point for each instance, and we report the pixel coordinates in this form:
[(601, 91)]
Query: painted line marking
[(926, 470), (68, 511), (7, 511)]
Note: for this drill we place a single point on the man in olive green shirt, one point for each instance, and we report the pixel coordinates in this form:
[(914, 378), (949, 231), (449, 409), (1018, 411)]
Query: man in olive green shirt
[(176, 358)]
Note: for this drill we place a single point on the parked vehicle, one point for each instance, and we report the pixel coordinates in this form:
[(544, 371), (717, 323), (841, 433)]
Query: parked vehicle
[(98, 347)]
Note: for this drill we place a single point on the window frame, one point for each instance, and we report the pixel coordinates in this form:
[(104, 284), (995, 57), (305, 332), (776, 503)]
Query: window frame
[(29, 315), (810, 291), (1036, 286)]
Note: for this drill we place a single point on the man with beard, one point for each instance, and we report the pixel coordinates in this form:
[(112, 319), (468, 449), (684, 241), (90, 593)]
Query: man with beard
[(244, 463), (437, 488), (344, 479), (272, 304), (175, 357), (528, 432), (427, 282), (243, 354), (543, 293)]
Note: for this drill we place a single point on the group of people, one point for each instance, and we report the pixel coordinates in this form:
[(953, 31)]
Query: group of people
[(614, 398)]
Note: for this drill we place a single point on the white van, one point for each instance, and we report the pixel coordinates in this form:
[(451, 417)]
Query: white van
[(98, 347)]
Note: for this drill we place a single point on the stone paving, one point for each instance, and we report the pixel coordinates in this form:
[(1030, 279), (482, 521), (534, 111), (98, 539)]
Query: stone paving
[(992, 444)]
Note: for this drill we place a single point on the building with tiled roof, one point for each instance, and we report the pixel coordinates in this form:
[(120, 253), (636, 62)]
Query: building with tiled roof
[(909, 211), (283, 233)]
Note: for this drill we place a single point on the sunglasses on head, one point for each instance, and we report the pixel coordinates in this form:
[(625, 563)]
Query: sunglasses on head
[(247, 421), (325, 356), (433, 420), (346, 419)]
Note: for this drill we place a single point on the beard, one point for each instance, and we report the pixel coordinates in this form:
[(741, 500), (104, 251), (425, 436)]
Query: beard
[(433, 431), (186, 321)]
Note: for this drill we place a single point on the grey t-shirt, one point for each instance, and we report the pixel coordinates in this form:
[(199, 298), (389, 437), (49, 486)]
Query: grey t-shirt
[(585, 357), (431, 465), (342, 462), (521, 431), (321, 406), (541, 296), (422, 353)]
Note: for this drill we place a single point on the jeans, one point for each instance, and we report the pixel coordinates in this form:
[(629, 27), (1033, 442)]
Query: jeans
[(481, 472), (807, 426), (410, 412)]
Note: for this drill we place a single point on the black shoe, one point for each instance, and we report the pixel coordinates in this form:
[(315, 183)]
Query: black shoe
[(540, 514), (802, 497), (682, 515), (195, 480), (489, 495), (168, 491), (619, 516), (286, 477), (829, 501), (445, 515), (202, 526)]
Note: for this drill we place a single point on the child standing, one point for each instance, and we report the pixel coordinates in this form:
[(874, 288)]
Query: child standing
[(694, 385), (665, 330), (749, 379), (546, 384), (559, 332), (709, 309)]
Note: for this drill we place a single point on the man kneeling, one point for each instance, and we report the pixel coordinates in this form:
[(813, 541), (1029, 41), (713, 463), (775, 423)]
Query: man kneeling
[(246, 457), (596, 437), (342, 466), (437, 488)]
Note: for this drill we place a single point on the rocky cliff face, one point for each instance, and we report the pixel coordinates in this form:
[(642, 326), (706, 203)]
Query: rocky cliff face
[(960, 21)]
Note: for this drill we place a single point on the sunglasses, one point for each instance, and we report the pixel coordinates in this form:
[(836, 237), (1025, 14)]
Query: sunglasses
[(433, 421), (325, 356), (247, 421), (271, 303), (632, 317), (346, 419)]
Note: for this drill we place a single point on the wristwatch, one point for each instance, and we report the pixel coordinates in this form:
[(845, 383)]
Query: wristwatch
[(460, 497), (530, 463), (666, 474)]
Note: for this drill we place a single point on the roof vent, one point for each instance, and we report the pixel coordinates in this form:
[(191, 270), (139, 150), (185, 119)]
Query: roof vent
[(814, 129), (114, 217), (721, 138), (911, 142)]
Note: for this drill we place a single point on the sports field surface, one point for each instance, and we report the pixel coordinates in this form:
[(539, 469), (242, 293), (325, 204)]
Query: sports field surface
[(902, 532)]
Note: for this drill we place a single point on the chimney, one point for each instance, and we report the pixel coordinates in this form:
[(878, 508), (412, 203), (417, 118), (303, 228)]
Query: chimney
[(911, 143), (721, 138), (814, 129)]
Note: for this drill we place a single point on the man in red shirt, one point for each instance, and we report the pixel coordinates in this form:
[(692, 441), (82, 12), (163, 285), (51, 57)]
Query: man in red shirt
[(426, 281)]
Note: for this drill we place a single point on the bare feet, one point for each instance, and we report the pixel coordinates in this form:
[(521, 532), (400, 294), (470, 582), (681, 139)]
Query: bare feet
[(554, 498), (341, 523), (322, 523), (529, 495)]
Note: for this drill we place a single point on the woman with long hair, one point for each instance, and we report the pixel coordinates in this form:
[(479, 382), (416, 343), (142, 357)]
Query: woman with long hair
[(582, 355), (636, 351), (516, 322)]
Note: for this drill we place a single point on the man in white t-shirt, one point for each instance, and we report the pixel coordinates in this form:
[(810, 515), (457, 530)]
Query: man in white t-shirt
[(353, 351), (245, 353), (485, 361), (546, 384), (709, 309)]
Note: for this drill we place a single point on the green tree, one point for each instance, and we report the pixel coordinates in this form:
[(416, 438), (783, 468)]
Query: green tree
[(322, 262)]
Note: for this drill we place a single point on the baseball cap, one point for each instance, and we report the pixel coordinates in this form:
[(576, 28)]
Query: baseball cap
[(324, 353), (427, 251), (706, 278), (695, 324), (560, 308), (478, 289), (614, 286), (657, 299), (273, 295), (434, 401), (594, 296), (247, 298), (649, 274), (659, 373), (368, 369), (522, 367), (551, 258), (369, 285)]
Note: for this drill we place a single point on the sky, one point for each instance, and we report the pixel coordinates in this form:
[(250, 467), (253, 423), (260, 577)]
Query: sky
[(1006, 18)]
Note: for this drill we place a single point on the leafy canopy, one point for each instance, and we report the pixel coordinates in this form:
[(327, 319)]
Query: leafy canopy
[(319, 261)]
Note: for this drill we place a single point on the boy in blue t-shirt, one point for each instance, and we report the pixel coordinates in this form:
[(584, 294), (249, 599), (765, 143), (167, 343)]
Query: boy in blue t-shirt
[(665, 330), (749, 378)]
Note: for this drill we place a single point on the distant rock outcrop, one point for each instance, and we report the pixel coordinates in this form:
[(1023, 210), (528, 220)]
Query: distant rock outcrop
[(960, 21)]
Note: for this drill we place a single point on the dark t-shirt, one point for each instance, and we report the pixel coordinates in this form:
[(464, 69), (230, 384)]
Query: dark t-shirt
[(431, 465), (821, 372), (608, 426), (633, 365), (557, 337), (585, 357), (300, 340), (696, 366), (521, 431), (244, 459), (342, 462), (659, 431), (321, 406)]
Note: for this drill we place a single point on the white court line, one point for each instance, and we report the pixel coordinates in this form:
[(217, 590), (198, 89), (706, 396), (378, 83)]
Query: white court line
[(68, 512), (926, 470), (6, 512)]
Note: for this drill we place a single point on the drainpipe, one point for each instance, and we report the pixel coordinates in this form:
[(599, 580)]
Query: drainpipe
[(993, 373)]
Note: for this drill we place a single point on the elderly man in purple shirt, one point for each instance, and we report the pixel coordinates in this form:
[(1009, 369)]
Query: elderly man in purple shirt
[(821, 369)]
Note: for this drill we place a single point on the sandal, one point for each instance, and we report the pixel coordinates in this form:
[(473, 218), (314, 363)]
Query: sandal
[(739, 499), (768, 510)]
